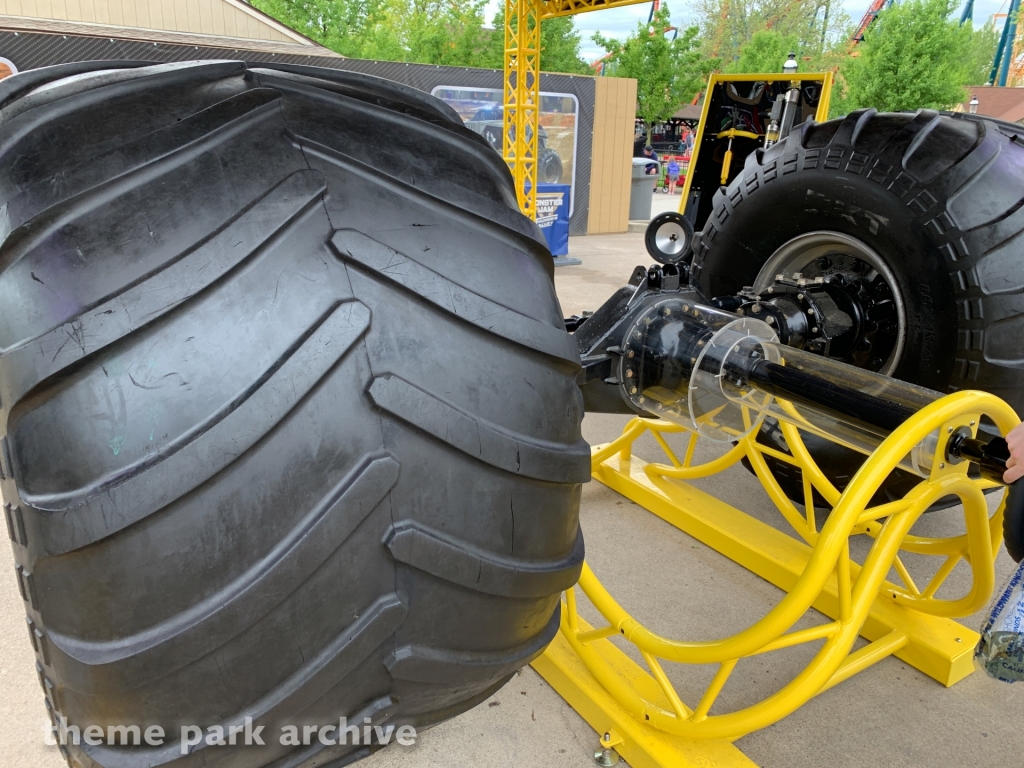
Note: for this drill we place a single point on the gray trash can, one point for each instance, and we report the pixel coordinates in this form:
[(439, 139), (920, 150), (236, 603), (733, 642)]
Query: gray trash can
[(641, 189)]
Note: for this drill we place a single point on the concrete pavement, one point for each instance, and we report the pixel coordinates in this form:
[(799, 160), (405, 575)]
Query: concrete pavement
[(660, 202), (890, 715)]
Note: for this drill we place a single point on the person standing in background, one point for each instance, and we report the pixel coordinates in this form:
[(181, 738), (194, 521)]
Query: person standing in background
[(649, 154), (652, 168), (672, 172)]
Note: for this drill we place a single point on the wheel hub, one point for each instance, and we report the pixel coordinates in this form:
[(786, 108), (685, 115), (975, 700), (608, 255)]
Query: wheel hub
[(670, 238), (868, 293)]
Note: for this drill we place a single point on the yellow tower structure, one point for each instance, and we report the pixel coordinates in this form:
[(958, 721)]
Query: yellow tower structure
[(522, 84)]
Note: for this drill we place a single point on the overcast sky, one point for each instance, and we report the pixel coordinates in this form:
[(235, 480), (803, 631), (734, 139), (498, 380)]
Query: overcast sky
[(619, 22)]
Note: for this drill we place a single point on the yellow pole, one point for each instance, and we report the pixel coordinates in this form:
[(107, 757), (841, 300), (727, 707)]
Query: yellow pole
[(522, 98)]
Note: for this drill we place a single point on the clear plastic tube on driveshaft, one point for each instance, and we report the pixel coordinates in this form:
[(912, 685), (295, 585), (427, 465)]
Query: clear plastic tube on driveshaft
[(721, 375)]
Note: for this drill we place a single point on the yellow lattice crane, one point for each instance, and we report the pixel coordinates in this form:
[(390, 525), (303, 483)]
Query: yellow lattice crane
[(522, 84)]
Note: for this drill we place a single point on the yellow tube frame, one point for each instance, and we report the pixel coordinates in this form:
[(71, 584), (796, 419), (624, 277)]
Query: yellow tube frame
[(907, 620)]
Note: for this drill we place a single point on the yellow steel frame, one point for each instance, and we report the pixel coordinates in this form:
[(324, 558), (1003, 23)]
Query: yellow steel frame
[(553, 8), (640, 712), (821, 115), (522, 85), (522, 98)]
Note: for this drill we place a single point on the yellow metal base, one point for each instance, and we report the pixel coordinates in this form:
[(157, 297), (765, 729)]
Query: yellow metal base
[(640, 713), (939, 647), (639, 745)]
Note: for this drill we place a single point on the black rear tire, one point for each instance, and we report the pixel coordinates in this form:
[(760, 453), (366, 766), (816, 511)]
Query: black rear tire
[(939, 198), (290, 422)]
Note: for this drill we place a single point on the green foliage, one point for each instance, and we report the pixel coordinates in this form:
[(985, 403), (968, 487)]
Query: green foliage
[(913, 56), (982, 52), (560, 47), (424, 31), (668, 72), (760, 29), (350, 27), (439, 32), (765, 51)]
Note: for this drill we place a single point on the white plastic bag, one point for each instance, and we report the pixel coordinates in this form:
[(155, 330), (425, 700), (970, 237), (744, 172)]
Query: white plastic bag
[(1000, 651)]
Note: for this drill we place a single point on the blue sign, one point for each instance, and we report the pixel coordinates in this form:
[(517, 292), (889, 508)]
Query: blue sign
[(553, 216)]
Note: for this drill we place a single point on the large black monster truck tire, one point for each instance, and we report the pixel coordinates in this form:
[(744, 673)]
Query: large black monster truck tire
[(937, 199), (290, 423)]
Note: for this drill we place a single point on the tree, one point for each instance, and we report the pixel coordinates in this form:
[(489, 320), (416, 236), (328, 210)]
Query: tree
[(814, 29), (913, 56), (765, 51), (983, 50), (560, 47), (356, 28), (422, 31), (669, 72), (440, 32)]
